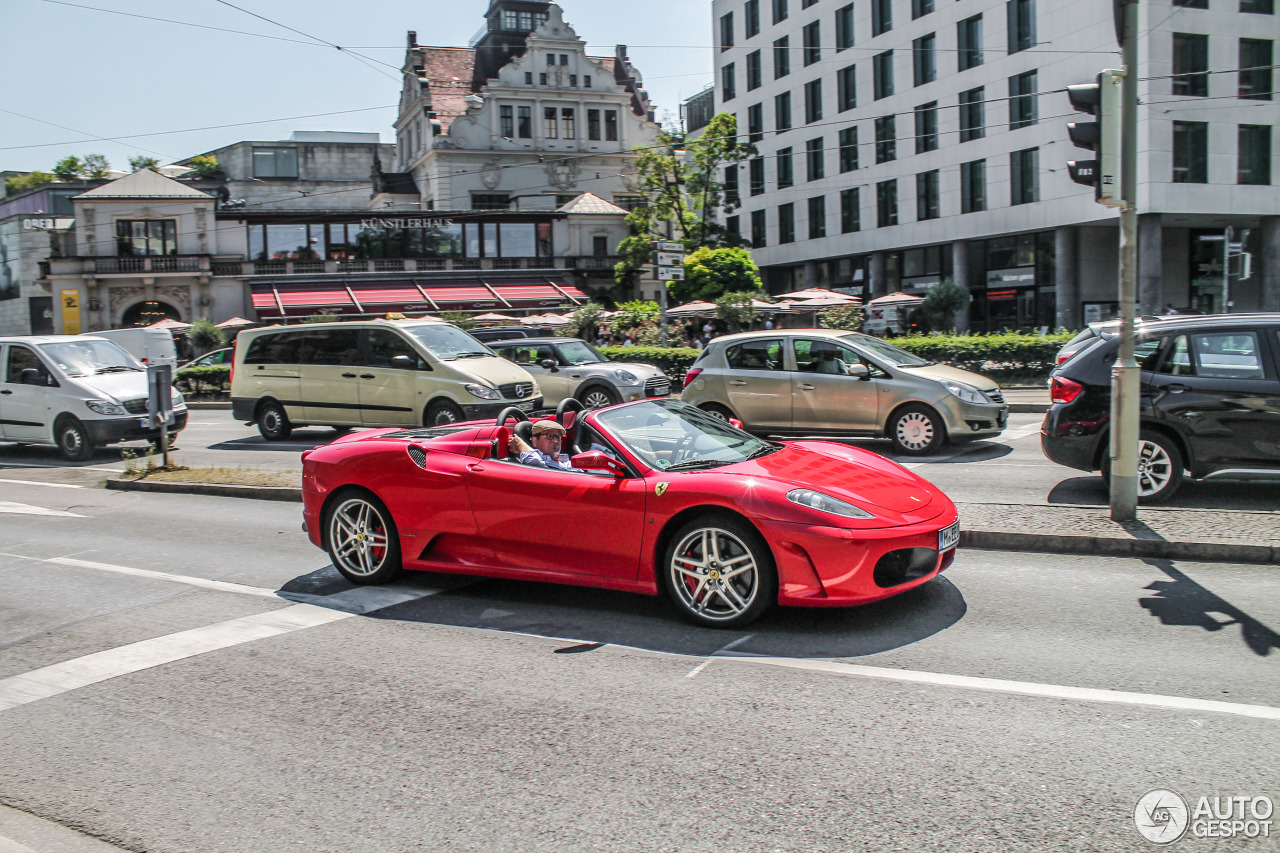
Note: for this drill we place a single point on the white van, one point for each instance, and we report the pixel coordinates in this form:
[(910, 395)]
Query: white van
[(372, 373), (78, 392), (149, 346)]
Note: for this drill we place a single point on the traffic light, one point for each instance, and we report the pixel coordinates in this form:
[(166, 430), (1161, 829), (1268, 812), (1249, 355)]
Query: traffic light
[(1100, 99)]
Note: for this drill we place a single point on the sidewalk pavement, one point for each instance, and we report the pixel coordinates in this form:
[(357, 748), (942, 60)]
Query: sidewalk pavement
[(1027, 398)]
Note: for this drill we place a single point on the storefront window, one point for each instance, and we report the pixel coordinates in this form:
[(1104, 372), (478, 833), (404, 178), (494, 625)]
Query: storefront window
[(519, 240)]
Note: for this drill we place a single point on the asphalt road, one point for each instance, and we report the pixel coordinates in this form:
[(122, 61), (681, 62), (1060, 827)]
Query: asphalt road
[(199, 710)]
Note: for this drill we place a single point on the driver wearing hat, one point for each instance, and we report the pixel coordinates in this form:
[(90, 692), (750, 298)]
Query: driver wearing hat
[(545, 453)]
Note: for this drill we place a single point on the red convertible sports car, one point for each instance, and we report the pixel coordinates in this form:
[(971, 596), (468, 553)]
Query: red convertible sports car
[(668, 499)]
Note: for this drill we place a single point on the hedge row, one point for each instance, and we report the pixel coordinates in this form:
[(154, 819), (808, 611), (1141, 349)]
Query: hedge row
[(201, 380), (673, 361)]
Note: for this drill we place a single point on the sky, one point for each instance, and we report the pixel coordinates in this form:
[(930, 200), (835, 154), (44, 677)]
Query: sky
[(77, 77)]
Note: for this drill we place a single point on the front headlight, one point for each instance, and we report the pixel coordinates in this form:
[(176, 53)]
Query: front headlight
[(105, 407), (483, 393), (965, 392), (626, 377), (826, 503), (175, 398)]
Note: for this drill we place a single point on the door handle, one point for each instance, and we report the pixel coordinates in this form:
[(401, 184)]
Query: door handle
[(348, 376), (475, 467), (1178, 388), (368, 376), (806, 387), (737, 382), (6, 391)]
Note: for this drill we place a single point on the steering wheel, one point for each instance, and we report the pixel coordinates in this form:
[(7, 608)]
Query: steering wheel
[(683, 446), (511, 412)]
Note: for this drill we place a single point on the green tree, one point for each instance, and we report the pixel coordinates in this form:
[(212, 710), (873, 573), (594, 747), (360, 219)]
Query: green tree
[(847, 318), (205, 336), (68, 169), (585, 320), (640, 321), (459, 319), (737, 309), (137, 164), (29, 181), (205, 166), (711, 273), (96, 166), (942, 302)]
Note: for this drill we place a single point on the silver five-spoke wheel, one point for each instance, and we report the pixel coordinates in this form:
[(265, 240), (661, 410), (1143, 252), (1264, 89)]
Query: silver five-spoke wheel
[(362, 540), (720, 574)]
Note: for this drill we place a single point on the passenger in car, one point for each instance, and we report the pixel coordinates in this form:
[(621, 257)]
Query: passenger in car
[(545, 452), (829, 361)]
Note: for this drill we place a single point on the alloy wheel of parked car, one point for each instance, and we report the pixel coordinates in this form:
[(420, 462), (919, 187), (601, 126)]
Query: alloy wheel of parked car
[(362, 540), (273, 423), (720, 573), (597, 397), (916, 431), (1159, 468), (73, 440)]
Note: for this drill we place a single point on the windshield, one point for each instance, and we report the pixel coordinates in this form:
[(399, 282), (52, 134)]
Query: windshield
[(448, 343), (886, 351), (670, 435), (580, 352), (90, 356)]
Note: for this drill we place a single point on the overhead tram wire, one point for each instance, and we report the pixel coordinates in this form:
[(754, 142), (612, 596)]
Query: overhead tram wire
[(180, 23), (93, 137)]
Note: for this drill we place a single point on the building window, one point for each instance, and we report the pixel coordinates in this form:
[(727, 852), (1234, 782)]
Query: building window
[(927, 127), (528, 78), (1255, 69), (507, 120), (1022, 100), (972, 121), (542, 79), (732, 196), (275, 162), (812, 43), (569, 123), (973, 186), (781, 57), (882, 74), (759, 230), (817, 217), (551, 60), (1258, 7), (154, 236), (782, 111), (779, 11), (1023, 168), (593, 125), (751, 18), (848, 149), (850, 214), (755, 175), (586, 81), (611, 125), (923, 59), (887, 203), (1190, 152), (814, 159), (1254, 152), (927, 195), (920, 8), (550, 127), (524, 127), (1192, 4), (726, 31), (490, 201), (969, 40), (573, 81), (755, 123), (886, 139), (786, 168), (1022, 24), (1191, 64), (733, 225), (755, 77), (728, 85), (786, 223), (844, 27), (847, 88), (813, 101), (881, 16)]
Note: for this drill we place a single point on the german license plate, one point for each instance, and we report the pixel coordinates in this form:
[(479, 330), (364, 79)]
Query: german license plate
[(949, 537), (145, 423)]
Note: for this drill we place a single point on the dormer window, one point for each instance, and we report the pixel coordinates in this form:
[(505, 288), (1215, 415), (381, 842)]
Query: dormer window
[(528, 78), (573, 81), (586, 81)]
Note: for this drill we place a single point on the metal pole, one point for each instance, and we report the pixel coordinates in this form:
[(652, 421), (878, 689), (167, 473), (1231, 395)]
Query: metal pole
[(1125, 377), (1226, 269)]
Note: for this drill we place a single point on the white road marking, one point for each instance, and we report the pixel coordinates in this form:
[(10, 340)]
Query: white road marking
[(1015, 434), (57, 465), (219, 586), (700, 667), (38, 483), (1024, 688), (28, 509)]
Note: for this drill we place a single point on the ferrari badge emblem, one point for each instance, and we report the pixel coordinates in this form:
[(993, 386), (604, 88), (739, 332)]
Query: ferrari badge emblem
[(661, 488)]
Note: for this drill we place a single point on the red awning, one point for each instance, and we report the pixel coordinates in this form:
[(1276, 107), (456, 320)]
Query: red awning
[(279, 299)]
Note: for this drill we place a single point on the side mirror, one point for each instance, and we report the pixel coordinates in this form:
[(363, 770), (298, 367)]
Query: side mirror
[(549, 365), (595, 460), (403, 362), (859, 371), (32, 376)]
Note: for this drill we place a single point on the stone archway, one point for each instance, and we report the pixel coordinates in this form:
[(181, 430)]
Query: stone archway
[(146, 312)]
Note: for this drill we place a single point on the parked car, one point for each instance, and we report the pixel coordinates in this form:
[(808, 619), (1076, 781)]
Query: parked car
[(78, 392), (370, 373), (827, 382), (217, 358), (506, 333), (1209, 407), (725, 523), (569, 367)]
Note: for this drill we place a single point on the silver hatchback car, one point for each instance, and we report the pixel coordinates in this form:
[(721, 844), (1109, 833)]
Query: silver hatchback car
[(826, 382), (569, 367)]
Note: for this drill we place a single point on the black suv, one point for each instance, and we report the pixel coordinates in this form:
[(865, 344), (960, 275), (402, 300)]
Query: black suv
[(1210, 403)]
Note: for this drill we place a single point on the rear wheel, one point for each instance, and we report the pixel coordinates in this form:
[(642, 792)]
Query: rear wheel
[(717, 411), (73, 440), (1159, 468), (362, 539), (916, 430), (597, 397), (719, 572), (273, 423), (442, 413)]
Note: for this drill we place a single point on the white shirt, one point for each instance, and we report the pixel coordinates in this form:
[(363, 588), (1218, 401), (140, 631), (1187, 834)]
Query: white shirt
[(542, 460)]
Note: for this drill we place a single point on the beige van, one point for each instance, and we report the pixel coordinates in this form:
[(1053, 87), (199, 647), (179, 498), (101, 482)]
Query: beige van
[(371, 373)]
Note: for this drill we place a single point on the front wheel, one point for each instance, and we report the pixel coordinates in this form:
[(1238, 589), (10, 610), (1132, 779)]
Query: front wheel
[(1159, 468), (598, 396), (362, 540), (273, 423), (917, 431), (720, 573), (73, 440), (442, 413)]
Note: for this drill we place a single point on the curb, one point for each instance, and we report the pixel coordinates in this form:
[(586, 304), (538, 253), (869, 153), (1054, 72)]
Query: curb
[(226, 490)]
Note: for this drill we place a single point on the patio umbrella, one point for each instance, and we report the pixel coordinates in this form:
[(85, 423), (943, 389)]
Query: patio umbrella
[(898, 298), (814, 293), (175, 326), (693, 309), (495, 318), (235, 323), (827, 302)]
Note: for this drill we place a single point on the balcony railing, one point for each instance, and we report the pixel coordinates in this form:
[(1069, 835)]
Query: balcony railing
[(591, 264), (150, 264), (594, 263)]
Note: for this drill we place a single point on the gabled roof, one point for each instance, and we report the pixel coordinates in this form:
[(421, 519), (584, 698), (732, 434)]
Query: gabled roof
[(145, 183), (592, 203)]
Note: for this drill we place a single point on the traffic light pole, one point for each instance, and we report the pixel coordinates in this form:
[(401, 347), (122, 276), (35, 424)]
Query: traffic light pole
[(1125, 384)]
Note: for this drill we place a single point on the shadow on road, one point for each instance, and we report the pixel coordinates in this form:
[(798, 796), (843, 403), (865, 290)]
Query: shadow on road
[(1182, 601), (624, 619), (1216, 494), (303, 439)]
